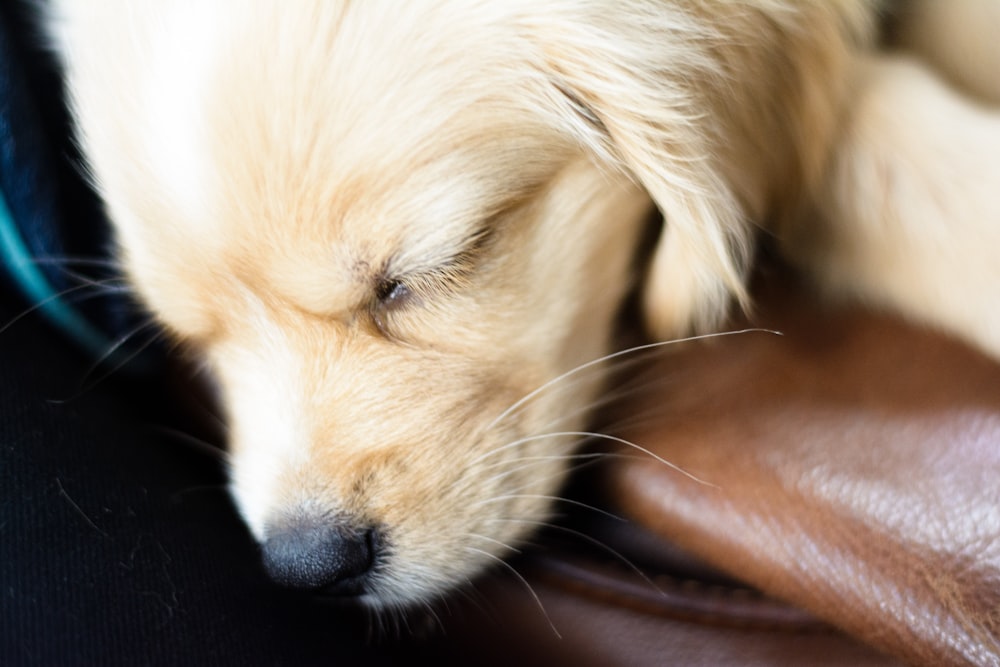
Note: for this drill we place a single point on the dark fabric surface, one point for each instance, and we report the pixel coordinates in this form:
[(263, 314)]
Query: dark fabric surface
[(54, 238), (118, 544)]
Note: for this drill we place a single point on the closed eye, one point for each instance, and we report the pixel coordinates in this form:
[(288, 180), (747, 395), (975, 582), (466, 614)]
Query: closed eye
[(397, 288), (397, 294)]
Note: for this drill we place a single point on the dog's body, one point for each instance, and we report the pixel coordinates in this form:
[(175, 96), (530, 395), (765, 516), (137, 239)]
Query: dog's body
[(383, 224)]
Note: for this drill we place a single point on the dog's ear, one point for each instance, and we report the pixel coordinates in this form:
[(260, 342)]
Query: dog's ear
[(631, 87), (723, 111)]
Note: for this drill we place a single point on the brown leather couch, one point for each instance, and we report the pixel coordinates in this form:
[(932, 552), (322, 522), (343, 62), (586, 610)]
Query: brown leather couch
[(835, 501)]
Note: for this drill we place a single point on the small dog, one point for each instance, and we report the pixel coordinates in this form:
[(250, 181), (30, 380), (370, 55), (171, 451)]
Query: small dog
[(391, 230)]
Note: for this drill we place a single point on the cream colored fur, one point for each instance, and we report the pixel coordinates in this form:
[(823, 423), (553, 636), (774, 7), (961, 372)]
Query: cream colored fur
[(276, 170)]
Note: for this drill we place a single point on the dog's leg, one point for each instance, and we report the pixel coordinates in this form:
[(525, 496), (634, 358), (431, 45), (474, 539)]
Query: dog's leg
[(910, 214)]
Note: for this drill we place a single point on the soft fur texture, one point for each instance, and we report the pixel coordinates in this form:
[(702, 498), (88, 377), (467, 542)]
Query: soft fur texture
[(383, 224)]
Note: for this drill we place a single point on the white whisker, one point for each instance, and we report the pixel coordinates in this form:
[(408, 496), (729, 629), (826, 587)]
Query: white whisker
[(65, 264), (537, 461), (40, 305), (628, 443), (615, 355), (523, 581), (591, 540), (195, 442), (70, 260), (556, 499), (503, 545), (529, 460), (119, 343), (520, 441), (431, 618), (596, 436), (87, 384)]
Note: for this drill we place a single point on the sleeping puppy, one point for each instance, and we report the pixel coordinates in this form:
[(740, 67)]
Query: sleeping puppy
[(393, 230)]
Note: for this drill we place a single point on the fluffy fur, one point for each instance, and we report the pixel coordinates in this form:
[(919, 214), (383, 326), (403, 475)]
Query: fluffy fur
[(383, 223)]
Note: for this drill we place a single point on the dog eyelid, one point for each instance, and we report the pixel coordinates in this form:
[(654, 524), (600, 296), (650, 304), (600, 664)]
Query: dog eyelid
[(392, 294)]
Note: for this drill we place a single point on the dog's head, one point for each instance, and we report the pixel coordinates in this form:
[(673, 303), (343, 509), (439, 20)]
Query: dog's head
[(384, 226)]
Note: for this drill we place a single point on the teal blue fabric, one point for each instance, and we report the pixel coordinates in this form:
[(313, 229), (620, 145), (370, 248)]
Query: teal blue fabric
[(53, 233), (23, 269)]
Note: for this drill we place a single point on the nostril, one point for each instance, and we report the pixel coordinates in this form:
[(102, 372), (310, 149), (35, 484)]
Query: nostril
[(317, 553)]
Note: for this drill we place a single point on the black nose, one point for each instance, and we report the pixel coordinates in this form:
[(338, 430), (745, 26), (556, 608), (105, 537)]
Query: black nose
[(319, 554)]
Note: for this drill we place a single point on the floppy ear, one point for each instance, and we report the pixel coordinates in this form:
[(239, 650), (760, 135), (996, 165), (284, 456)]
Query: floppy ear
[(630, 90), (723, 112)]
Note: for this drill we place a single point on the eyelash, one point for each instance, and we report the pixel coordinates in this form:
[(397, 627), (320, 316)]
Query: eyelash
[(397, 294), (393, 294)]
